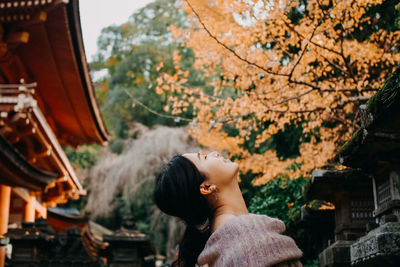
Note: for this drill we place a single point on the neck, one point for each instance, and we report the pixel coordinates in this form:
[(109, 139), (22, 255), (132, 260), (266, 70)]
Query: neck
[(230, 203)]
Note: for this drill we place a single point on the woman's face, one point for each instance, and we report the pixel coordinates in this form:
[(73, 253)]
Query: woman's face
[(217, 169)]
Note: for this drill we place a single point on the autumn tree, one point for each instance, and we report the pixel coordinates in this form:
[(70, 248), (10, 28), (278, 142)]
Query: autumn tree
[(272, 66)]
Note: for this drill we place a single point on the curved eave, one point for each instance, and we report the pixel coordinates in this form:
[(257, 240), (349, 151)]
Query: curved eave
[(378, 139), (326, 184), (59, 214), (77, 41), (54, 57), (16, 171)]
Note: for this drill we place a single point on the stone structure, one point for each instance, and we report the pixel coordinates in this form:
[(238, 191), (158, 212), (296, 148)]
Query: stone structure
[(367, 195), (321, 226), (37, 244), (380, 247), (128, 247), (351, 193), (375, 149)]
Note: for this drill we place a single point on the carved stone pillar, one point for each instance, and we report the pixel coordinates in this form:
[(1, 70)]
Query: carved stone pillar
[(382, 245)]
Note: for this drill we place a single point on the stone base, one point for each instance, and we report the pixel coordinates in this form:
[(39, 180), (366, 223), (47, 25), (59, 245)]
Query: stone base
[(380, 247), (336, 255)]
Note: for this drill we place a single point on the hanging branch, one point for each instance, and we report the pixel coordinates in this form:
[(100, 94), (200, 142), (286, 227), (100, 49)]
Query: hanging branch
[(313, 43), (303, 51), (230, 49), (178, 118), (198, 94), (313, 87), (153, 111)]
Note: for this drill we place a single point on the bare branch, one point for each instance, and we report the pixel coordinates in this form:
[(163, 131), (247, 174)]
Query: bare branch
[(356, 99), (199, 94), (294, 97), (269, 71), (313, 43), (345, 60), (333, 64), (302, 52), (230, 49), (350, 90)]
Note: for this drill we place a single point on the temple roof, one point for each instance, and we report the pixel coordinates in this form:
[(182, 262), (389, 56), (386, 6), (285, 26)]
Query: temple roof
[(17, 171), (46, 96), (326, 183), (378, 139), (67, 214), (26, 129), (44, 43)]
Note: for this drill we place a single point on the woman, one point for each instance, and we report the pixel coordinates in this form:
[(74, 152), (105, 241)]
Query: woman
[(203, 191)]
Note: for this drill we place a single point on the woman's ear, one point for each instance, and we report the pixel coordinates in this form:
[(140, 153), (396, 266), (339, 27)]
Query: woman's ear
[(207, 189)]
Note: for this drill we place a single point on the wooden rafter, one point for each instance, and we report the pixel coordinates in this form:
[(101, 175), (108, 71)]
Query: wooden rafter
[(24, 125)]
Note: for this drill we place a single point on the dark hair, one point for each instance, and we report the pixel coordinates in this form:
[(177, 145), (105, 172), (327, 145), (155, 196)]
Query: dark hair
[(177, 193)]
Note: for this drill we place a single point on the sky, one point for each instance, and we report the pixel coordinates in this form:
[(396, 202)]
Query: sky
[(98, 14)]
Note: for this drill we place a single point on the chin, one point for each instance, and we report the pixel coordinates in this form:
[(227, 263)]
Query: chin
[(236, 167)]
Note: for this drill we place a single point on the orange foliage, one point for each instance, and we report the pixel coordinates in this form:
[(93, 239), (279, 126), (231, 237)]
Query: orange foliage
[(227, 38)]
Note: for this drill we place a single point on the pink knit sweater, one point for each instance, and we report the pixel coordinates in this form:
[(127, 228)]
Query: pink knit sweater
[(250, 240)]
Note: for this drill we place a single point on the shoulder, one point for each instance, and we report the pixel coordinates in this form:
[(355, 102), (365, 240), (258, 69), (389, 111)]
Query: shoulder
[(255, 222), (248, 240), (244, 226), (220, 220)]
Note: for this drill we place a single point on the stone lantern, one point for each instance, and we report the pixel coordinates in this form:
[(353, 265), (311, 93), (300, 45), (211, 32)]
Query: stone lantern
[(375, 149), (387, 193), (31, 243), (37, 244), (382, 245), (129, 247), (351, 193), (319, 226)]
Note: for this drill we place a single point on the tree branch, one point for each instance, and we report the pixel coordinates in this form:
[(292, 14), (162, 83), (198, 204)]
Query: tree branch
[(294, 97), (289, 75), (334, 64), (313, 43), (230, 49), (345, 61), (303, 52), (198, 94)]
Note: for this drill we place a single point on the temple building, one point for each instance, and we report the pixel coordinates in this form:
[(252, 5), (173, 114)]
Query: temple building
[(47, 101), (67, 239), (367, 194)]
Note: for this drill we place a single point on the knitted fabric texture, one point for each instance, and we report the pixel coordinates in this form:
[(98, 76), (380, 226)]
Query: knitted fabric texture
[(249, 240)]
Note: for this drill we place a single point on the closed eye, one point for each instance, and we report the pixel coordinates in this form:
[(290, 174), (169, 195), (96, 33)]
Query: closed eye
[(199, 155)]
